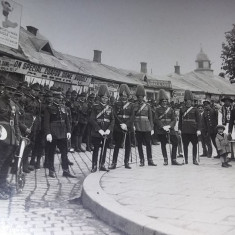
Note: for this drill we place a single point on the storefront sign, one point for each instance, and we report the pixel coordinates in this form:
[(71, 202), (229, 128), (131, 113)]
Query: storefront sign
[(159, 84), (10, 17), (43, 72)]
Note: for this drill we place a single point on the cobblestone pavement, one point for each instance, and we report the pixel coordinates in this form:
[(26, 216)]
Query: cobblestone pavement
[(52, 206)]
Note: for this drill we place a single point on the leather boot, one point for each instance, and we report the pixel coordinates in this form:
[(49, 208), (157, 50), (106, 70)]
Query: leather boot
[(51, 174), (113, 166), (103, 168), (94, 169), (151, 163), (127, 166), (67, 173), (37, 165), (195, 162), (141, 162), (174, 162), (165, 162), (186, 159)]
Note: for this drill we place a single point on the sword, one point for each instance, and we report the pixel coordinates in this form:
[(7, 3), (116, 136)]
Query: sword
[(135, 149), (124, 140), (169, 141), (102, 151)]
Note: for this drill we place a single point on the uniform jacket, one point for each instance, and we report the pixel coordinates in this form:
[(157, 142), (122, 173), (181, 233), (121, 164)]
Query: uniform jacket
[(83, 112), (104, 121), (231, 121), (222, 143), (161, 119), (9, 120), (210, 120), (143, 120), (74, 106), (226, 114), (122, 114), (189, 123), (56, 121)]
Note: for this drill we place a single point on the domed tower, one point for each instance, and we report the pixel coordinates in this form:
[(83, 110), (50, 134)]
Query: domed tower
[(202, 62)]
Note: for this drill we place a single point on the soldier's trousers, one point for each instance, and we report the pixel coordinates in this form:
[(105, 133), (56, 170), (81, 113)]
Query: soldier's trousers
[(119, 138), (6, 156), (62, 145), (164, 140), (142, 136), (98, 143), (186, 139)]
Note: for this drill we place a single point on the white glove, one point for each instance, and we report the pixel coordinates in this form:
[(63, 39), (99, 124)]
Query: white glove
[(179, 132), (166, 128), (198, 133), (101, 132), (107, 132), (68, 135), (49, 138), (152, 132), (123, 126), (134, 128)]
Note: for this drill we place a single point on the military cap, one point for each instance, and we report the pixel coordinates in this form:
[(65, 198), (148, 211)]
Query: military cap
[(74, 92), (220, 126), (140, 91), (188, 95), (49, 94), (124, 90), (83, 94), (68, 92), (206, 101), (57, 92), (103, 91), (92, 95), (35, 86), (162, 95), (227, 98)]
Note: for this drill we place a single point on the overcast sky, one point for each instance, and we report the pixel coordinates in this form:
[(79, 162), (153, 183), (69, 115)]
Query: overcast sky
[(159, 32)]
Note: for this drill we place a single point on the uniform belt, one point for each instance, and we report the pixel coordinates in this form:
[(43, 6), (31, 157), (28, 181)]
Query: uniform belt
[(142, 117), (58, 121), (124, 116), (103, 120), (189, 120)]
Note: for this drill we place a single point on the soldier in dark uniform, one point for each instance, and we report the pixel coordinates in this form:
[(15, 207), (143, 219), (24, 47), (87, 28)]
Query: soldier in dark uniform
[(74, 115), (90, 103), (82, 121), (102, 121), (33, 111), (189, 126), (9, 134), (123, 126), (165, 120), (210, 121), (143, 123), (57, 129)]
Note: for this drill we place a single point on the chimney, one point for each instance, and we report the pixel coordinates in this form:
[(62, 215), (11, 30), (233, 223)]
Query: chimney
[(97, 56), (143, 68), (32, 30), (177, 68)]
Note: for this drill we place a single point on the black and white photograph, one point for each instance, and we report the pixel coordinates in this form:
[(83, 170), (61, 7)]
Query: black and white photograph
[(117, 117)]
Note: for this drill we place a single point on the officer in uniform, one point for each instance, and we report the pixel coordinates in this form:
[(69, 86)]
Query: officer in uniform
[(90, 103), (9, 134), (165, 120), (143, 123), (74, 115), (189, 126), (33, 108), (57, 129), (82, 121), (210, 122), (123, 126), (102, 121)]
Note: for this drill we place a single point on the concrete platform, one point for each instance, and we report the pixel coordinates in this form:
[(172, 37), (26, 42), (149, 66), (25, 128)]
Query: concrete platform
[(169, 199)]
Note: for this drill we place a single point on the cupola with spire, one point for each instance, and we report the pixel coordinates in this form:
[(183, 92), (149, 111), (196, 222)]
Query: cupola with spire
[(202, 62)]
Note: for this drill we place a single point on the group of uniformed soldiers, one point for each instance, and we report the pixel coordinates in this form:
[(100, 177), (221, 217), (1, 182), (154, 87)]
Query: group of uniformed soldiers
[(53, 121)]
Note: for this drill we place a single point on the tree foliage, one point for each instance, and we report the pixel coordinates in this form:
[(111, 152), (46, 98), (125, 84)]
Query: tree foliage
[(228, 55)]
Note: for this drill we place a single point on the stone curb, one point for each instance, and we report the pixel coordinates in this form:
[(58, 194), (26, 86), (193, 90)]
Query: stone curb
[(120, 217)]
